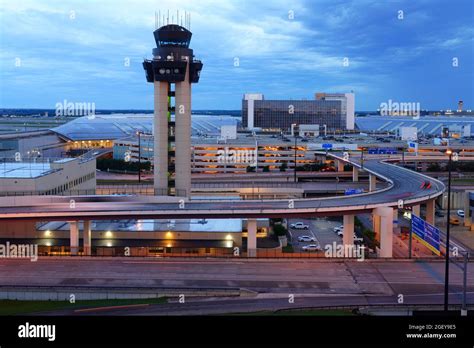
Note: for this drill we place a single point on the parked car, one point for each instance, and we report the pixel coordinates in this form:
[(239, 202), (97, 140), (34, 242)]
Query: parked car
[(460, 213), (338, 228), (311, 247), (306, 239), (438, 213), (299, 226), (340, 233)]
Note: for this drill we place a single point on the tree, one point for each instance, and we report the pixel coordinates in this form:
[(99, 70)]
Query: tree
[(283, 167), (279, 230), (266, 169), (434, 167)]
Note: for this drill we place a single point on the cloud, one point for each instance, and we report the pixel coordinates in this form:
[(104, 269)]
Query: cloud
[(81, 46)]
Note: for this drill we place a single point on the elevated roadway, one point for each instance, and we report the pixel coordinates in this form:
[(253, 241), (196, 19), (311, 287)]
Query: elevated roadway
[(405, 188), (404, 184)]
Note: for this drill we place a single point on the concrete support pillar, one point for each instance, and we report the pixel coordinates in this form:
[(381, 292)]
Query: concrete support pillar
[(376, 226), (348, 236), (160, 143), (395, 218), (74, 237), (340, 166), (467, 209), (87, 237), (183, 136), (372, 182), (383, 221), (430, 212), (251, 237), (355, 174), (415, 210)]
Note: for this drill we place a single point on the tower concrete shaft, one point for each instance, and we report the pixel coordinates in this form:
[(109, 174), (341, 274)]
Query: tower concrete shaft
[(160, 131), (173, 64), (183, 137)]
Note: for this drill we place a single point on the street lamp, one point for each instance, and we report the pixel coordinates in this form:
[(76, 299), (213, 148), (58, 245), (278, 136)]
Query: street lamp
[(293, 130), (139, 157), (446, 272)]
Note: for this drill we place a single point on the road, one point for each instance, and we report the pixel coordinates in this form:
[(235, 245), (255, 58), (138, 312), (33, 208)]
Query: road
[(310, 281), (319, 228), (405, 185)]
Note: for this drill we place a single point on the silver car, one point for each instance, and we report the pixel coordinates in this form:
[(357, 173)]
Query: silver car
[(311, 247), (306, 239)]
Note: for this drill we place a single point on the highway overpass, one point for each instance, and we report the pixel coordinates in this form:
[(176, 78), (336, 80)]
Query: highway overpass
[(404, 189)]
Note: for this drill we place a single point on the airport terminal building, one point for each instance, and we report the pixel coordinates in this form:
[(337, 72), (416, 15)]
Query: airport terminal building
[(331, 111)]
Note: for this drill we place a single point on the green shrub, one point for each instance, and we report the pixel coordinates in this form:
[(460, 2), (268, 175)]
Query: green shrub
[(115, 164), (279, 230)]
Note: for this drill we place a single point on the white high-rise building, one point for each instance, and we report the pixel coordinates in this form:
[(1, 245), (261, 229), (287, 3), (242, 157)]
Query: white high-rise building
[(348, 105), (250, 98)]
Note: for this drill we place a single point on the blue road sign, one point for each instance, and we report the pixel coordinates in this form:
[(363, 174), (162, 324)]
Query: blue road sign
[(427, 234), (383, 151), (327, 146), (348, 192)]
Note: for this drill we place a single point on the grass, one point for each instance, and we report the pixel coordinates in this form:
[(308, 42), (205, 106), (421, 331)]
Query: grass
[(463, 181), (14, 307), (302, 313), (287, 249)]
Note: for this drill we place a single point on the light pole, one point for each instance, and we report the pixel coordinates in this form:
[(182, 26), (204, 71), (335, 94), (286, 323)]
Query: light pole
[(139, 157), (294, 178), (403, 156), (446, 271)]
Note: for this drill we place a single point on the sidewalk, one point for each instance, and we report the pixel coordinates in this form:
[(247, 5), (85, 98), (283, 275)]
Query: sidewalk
[(463, 235)]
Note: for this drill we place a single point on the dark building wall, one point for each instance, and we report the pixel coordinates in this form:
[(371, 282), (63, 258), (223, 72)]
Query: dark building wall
[(276, 113)]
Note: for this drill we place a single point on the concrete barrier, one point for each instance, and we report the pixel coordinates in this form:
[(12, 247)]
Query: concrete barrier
[(45, 293)]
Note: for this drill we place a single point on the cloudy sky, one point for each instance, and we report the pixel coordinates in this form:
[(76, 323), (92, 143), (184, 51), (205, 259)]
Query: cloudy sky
[(407, 51)]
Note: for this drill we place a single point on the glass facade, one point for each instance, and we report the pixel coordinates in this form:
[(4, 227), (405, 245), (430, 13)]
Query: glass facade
[(283, 113)]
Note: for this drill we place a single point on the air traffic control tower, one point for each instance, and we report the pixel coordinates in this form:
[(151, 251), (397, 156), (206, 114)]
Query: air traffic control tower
[(172, 70)]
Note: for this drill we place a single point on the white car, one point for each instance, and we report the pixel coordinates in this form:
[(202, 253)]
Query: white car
[(311, 247), (306, 239), (340, 233), (338, 228), (460, 213), (299, 226), (358, 239)]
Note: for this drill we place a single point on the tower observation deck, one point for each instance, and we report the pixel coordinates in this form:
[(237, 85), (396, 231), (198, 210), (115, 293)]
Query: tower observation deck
[(172, 71)]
